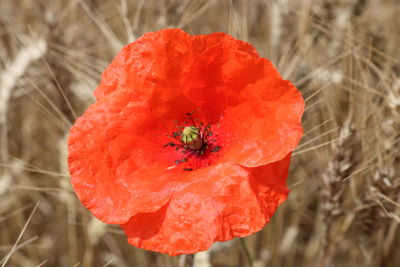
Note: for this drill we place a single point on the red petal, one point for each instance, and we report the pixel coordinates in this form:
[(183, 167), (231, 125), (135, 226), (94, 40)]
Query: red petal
[(265, 128), (155, 67), (152, 67), (209, 205), (153, 59), (216, 77), (117, 164), (259, 113)]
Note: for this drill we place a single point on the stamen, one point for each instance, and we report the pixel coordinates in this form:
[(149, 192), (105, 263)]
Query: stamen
[(216, 149), (193, 141)]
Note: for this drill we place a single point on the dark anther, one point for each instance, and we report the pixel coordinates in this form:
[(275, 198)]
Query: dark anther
[(188, 169), (170, 144), (216, 149), (177, 161)]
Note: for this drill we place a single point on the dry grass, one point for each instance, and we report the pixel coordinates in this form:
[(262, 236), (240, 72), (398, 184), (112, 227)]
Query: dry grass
[(344, 55)]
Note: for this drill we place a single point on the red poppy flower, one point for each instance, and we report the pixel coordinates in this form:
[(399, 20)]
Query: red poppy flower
[(189, 141)]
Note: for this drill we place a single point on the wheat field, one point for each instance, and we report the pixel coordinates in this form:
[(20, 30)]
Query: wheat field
[(343, 55)]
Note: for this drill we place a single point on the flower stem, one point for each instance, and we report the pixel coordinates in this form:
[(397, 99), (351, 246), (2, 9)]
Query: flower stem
[(247, 252)]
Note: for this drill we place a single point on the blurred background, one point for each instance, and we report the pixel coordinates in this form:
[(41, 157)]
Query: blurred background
[(344, 56)]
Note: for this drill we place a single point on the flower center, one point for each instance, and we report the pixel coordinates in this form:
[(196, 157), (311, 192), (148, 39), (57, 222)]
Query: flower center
[(191, 137), (195, 142)]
